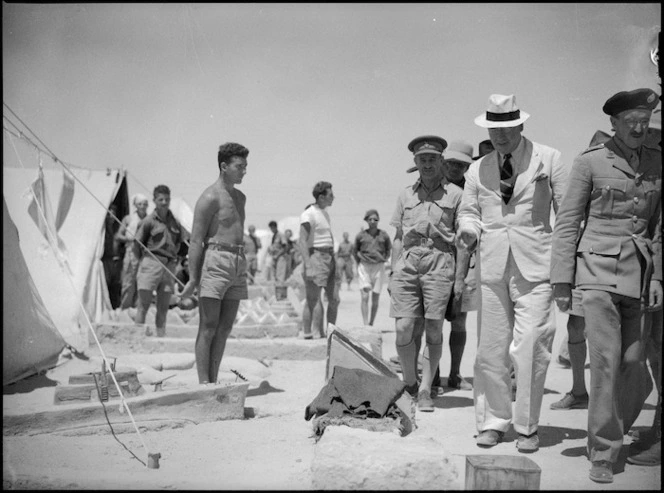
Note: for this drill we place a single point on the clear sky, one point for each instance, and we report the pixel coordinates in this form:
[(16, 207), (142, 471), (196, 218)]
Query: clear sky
[(316, 91)]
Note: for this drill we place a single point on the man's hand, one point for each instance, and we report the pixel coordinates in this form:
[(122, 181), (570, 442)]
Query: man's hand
[(562, 293), (189, 289), (466, 240), (459, 287), (656, 296)]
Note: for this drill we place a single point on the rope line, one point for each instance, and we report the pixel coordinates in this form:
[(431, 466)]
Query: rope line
[(69, 274), (64, 165)]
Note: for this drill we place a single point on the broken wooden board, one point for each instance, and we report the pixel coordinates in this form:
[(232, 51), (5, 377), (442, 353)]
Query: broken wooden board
[(344, 351), (196, 405)]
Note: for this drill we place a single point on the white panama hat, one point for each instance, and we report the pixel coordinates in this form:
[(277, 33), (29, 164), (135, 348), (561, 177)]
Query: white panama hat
[(502, 112)]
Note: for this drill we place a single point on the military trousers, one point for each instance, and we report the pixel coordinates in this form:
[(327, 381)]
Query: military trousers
[(619, 382), (516, 328)]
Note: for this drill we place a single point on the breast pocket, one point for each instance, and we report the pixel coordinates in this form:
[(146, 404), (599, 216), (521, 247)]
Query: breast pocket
[(599, 260), (442, 212), (652, 190), (607, 192)]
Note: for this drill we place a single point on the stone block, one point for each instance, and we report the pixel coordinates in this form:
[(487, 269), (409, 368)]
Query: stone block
[(356, 459)]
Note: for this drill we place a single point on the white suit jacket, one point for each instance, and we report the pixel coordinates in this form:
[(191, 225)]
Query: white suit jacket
[(523, 225)]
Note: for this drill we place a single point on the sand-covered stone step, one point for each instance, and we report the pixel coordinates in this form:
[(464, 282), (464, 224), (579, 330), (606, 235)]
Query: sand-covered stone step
[(356, 459), (290, 348), (196, 404), (130, 330)]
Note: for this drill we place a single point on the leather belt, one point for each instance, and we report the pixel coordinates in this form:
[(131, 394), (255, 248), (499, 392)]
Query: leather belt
[(321, 249), (225, 247), (431, 244), (163, 258)]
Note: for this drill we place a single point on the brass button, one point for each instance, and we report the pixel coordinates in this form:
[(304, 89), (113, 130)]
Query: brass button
[(608, 187), (634, 218), (636, 200)]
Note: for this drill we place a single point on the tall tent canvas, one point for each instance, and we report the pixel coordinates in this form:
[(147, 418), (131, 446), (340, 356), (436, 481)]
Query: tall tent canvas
[(76, 289), (30, 341)]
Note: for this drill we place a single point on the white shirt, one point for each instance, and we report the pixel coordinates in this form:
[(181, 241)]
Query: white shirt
[(319, 220)]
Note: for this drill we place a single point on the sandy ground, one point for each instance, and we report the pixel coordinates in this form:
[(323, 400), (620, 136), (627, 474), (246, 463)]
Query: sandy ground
[(273, 447)]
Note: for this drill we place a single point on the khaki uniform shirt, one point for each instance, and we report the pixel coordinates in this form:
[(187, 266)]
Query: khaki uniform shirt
[(428, 216)]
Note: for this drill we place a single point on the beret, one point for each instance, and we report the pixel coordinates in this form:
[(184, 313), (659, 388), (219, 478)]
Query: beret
[(427, 144), (371, 212), (644, 98)]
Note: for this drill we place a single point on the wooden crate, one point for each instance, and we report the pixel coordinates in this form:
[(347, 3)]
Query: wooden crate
[(501, 472)]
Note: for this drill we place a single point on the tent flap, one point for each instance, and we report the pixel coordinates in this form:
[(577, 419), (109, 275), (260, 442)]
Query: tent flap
[(30, 341)]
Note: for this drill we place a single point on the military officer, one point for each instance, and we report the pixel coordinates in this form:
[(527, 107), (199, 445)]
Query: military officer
[(617, 264), (423, 264)]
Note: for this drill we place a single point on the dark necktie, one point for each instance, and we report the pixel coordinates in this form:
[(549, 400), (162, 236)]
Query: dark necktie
[(506, 172), (634, 160)]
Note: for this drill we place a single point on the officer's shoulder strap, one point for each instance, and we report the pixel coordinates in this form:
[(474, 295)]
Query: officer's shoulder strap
[(593, 148)]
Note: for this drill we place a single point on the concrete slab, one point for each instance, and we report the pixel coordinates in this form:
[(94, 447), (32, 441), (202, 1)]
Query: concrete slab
[(197, 405), (356, 459)]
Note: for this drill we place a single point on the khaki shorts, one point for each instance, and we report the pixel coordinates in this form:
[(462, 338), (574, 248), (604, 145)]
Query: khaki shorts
[(322, 269), (224, 276), (152, 275), (371, 276), (421, 283)]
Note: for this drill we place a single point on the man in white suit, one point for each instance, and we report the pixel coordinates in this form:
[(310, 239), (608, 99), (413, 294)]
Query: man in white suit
[(506, 210)]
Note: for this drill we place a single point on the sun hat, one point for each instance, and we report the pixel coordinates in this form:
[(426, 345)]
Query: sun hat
[(502, 112), (459, 150)]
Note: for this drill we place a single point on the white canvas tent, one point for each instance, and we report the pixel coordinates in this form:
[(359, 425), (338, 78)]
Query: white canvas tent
[(30, 341), (81, 235)]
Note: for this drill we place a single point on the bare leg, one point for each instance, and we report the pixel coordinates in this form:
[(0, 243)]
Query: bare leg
[(374, 306), (364, 306), (408, 332), (144, 301), (210, 314), (332, 291), (313, 308), (434, 342), (318, 318), (227, 317), (163, 300)]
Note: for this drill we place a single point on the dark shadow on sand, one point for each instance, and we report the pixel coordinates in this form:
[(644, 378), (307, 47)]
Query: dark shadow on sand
[(29, 384), (447, 401), (262, 389), (554, 435)]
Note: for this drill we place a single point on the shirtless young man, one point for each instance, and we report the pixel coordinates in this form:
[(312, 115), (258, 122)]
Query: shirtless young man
[(217, 265)]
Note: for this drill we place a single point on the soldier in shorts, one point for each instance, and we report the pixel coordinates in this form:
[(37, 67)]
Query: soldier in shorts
[(423, 264), (217, 265), (160, 234)]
